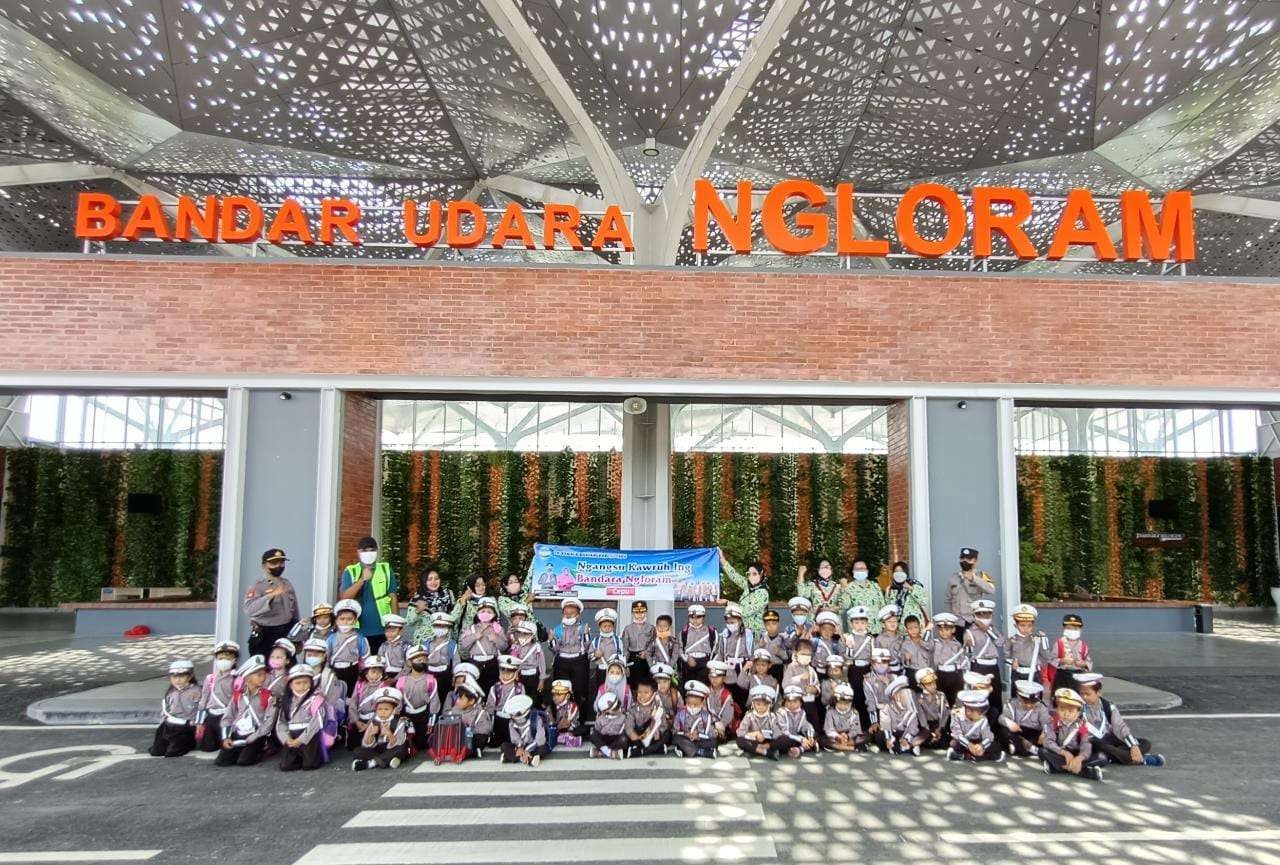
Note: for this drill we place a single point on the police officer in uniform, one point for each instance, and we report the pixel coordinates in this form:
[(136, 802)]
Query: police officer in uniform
[(966, 586), (271, 604)]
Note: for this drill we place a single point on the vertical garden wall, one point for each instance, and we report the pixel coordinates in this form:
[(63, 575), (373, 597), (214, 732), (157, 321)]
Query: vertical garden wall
[(69, 532)]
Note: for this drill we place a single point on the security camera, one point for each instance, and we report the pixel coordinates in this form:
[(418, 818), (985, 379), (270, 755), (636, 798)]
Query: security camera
[(285, 395), (962, 405)]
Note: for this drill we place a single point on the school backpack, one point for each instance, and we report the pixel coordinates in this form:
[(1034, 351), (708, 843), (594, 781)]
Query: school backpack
[(448, 742)]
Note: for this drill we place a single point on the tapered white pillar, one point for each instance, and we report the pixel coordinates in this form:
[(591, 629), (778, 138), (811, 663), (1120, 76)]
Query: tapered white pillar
[(646, 490)]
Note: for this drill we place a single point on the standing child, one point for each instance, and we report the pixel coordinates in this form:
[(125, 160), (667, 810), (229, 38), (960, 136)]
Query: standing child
[(609, 732), (720, 701), (394, 646), (385, 743), (874, 689), (421, 699), (972, 739), (756, 734), (346, 645), (507, 686), (300, 723), (215, 695), (858, 646), (565, 715), (605, 646), (1026, 649), (736, 644), (527, 738), (889, 638), (178, 707), (484, 640), (914, 651), (1070, 654), (776, 643), (1066, 749), (664, 649), (827, 643), (693, 733), (760, 672), (442, 652), (360, 704), (984, 648), (250, 718), (1109, 733), (800, 674), (637, 642), (794, 731), (949, 658), (648, 723), (935, 711), (533, 662), (900, 720), (841, 730), (1026, 718), (319, 626), (696, 645), (315, 653), (570, 642)]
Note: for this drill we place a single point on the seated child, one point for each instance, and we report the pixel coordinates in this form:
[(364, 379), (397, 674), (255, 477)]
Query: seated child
[(976, 681), (495, 703), (527, 733), (250, 718), (462, 671), (693, 732), (1108, 732), (648, 723), (279, 662), (300, 723), (1026, 718), (394, 647), (360, 705), (828, 641), (889, 637), (720, 701), (801, 674), (176, 734), (468, 712), (609, 733), (794, 732), (1066, 749), (841, 729), (670, 696), (756, 733), (900, 720), (935, 711), (385, 743), (215, 695), (971, 737), (835, 678), (564, 714), (421, 702), (759, 672), (615, 680)]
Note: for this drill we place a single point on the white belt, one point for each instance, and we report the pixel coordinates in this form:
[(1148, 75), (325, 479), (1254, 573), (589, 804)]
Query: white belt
[(1023, 670), (173, 719), (986, 663), (858, 663), (341, 665), (697, 655), (439, 669), (483, 658), (735, 660), (569, 657), (947, 668), (298, 728)]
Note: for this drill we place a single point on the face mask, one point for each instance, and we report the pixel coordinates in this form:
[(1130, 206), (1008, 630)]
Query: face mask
[(523, 639), (614, 678), (223, 664), (803, 660), (368, 557), (485, 615), (419, 666), (570, 620), (880, 669), (899, 577), (733, 627), (859, 575), (440, 632), (1071, 633), (345, 628), (275, 570), (276, 663), (315, 660), (966, 566), (800, 618)]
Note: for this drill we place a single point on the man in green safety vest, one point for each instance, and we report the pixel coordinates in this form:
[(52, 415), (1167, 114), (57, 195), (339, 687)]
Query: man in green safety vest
[(373, 584)]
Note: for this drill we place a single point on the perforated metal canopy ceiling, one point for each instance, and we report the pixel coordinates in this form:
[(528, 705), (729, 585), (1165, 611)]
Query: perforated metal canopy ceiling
[(554, 100)]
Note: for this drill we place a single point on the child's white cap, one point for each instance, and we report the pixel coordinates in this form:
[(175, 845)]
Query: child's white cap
[(982, 605), (606, 615), (1028, 689), (717, 668), (793, 692), (571, 602), (1092, 679), (526, 627), (973, 699), (393, 621), (300, 670), (562, 685), (925, 674), (471, 687), (732, 609), (826, 617), (315, 644), (835, 661), (694, 688), (252, 664), (508, 662), (1025, 613), (226, 646), (661, 671), (491, 603), (606, 701), (946, 619), (799, 603), (879, 653), (762, 655), (859, 612), (180, 666), (697, 610), (373, 662), (415, 652), (388, 695), (466, 668), (762, 692), (843, 691), (438, 619), (897, 684), (518, 705), (972, 678), (617, 661), (887, 611), (347, 605)]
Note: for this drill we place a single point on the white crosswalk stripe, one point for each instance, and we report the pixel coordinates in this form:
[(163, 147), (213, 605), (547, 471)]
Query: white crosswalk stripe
[(695, 810)]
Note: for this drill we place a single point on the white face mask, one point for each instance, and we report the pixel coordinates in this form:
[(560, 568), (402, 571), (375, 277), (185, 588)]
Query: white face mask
[(1071, 633), (345, 628), (803, 660), (570, 620), (315, 660), (733, 627), (440, 631), (800, 618), (881, 669), (223, 664), (899, 576), (614, 678), (368, 557), (859, 575)]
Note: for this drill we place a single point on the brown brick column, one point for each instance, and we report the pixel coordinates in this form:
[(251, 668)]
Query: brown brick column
[(899, 468), (360, 474)]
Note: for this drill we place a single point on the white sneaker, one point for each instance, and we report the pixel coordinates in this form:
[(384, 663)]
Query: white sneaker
[(594, 752), (393, 763), (535, 760), (915, 749)]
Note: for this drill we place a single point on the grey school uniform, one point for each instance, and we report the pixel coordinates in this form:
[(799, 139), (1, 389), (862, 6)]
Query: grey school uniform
[(440, 654), (181, 705), (533, 661), (345, 649), (749, 680), (778, 646), (935, 713), (611, 723), (719, 704), (837, 722), (949, 656), (694, 726), (828, 694), (915, 655), (529, 736), (246, 720), (332, 688), (964, 730), (857, 650), (805, 677), (361, 703), (482, 642), (1067, 739), (664, 651), (640, 715), (984, 646), (873, 689), (793, 723), (1032, 720), (1105, 719), (823, 649), (1026, 655), (420, 694), (696, 645), (393, 655), (215, 697), (753, 723), (302, 722), (476, 717), (892, 642), (393, 734), (900, 722), (496, 701), (638, 638), (735, 648)]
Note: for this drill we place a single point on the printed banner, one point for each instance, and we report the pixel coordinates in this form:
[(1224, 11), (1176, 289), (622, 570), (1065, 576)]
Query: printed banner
[(604, 575)]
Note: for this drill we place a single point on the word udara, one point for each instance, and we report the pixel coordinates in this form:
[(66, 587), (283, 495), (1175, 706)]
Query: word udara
[(825, 220)]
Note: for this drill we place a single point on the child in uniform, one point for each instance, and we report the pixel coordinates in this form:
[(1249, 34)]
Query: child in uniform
[(776, 644), (667, 693), (984, 648), (467, 709), (442, 652), (900, 720), (648, 723), (320, 625), (1070, 654), (417, 687), (462, 671), (346, 645), (360, 705), (495, 703), (827, 643), (215, 695), (664, 649), (841, 730), (1109, 734), (300, 722), (484, 640), (735, 647), (915, 651), (972, 739), (949, 658), (393, 649), (1026, 718), (564, 714), (693, 733), (527, 736), (279, 661), (835, 678), (385, 743), (250, 717), (315, 652), (609, 732), (178, 707), (935, 711), (760, 672), (800, 674), (858, 645), (1026, 649), (720, 701), (533, 662), (570, 641), (615, 680), (889, 637), (605, 646), (794, 732), (696, 645), (975, 681), (802, 626), (637, 642), (756, 732), (1066, 749), (874, 687)]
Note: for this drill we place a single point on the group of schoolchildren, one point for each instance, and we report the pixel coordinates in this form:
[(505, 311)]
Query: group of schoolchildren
[(649, 689)]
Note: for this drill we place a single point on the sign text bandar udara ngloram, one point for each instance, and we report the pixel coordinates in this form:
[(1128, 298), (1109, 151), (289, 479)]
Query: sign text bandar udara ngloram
[(825, 220)]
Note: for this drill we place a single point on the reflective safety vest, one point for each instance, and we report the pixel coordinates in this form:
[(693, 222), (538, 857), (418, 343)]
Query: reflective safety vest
[(379, 585)]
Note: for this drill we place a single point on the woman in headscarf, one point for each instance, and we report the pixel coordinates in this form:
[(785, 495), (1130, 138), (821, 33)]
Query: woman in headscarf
[(755, 593), (907, 594), (432, 597)]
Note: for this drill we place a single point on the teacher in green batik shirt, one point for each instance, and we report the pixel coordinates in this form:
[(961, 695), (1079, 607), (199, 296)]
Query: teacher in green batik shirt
[(755, 593)]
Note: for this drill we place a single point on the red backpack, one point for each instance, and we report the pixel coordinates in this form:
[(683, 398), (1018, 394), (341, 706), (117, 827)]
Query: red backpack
[(448, 743)]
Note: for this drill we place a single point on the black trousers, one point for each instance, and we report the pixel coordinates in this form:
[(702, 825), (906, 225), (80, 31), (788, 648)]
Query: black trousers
[(501, 731), (884, 736), (212, 738), (348, 676), (575, 671), (639, 670), (420, 735), (1117, 751), (690, 748), (261, 637), (509, 752), (858, 741), (1058, 763), (306, 756), (961, 747), (950, 682), (856, 675), (1064, 679), (996, 695), (693, 668), (380, 754), (1024, 741), (603, 740), (786, 743), (530, 682), (750, 746), (943, 741), (640, 749), (488, 674), (241, 755), (172, 740)]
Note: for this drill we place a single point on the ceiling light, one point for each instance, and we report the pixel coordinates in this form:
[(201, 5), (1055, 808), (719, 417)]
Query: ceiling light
[(650, 147)]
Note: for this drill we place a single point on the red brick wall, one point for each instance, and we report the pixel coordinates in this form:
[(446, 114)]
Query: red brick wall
[(899, 482), (359, 439), (197, 316)]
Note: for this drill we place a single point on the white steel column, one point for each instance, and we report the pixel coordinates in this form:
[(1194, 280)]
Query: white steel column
[(227, 594), (646, 490), (328, 495), (918, 497), (376, 528), (1007, 478)]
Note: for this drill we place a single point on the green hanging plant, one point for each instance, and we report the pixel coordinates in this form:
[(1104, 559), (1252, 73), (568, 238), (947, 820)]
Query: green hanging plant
[(746, 504), (18, 549), (785, 555), (873, 510), (682, 495), (396, 509), (515, 500), (711, 499)]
